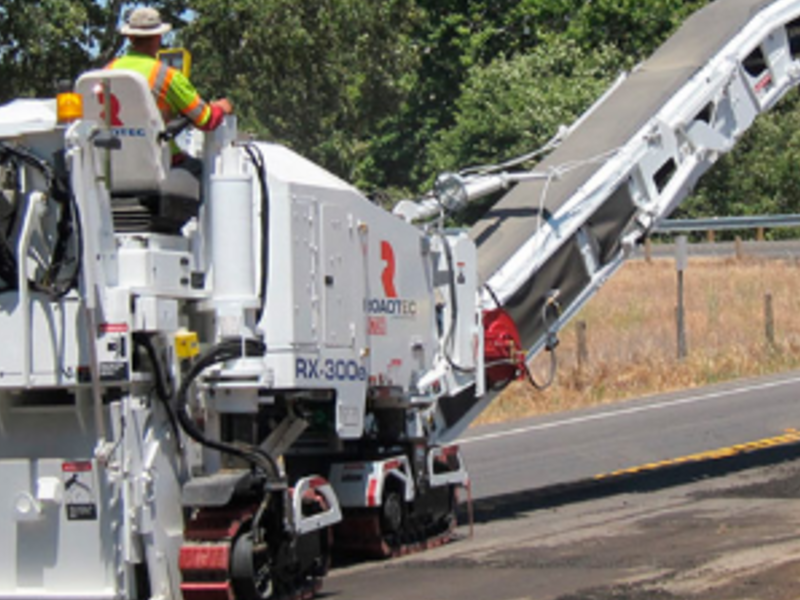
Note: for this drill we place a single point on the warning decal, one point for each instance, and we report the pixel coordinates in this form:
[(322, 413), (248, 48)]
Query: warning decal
[(79, 493)]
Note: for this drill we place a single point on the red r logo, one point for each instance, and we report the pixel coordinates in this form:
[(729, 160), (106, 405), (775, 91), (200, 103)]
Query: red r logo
[(387, 255), (115, 108)]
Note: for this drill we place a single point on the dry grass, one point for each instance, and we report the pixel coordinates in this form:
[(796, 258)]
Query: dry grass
[(632, 340)]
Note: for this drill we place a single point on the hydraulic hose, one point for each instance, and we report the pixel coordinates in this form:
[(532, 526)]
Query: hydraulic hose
[(552, 342), (257, 158), (67, 227), (223, 352), (163, 382)]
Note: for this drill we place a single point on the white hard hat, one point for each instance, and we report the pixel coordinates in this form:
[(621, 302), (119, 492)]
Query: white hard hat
[(145, 21)]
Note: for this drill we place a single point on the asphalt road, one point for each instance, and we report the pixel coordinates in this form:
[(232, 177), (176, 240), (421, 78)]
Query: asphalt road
[(545, 451), (719, 526)]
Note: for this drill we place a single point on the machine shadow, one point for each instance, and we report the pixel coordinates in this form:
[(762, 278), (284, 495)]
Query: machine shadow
[(510, 506)]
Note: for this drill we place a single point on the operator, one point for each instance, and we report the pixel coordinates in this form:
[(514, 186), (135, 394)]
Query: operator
[(172, 90)]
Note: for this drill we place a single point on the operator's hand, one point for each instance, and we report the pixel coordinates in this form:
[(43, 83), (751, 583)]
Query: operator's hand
[(225, 105)]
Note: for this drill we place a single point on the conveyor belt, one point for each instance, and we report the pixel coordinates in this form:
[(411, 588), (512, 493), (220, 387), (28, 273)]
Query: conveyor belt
[(513, 222)]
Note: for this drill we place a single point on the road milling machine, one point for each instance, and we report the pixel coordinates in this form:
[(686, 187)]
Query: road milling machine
[(207, 386)]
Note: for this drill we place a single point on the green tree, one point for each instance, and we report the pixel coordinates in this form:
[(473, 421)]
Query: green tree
[(317, 75), (453, 36), (513, 106), (635, 27), (46, 41), (459, 36)]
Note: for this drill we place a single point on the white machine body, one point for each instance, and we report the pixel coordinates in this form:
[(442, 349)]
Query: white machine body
[(341, 294)]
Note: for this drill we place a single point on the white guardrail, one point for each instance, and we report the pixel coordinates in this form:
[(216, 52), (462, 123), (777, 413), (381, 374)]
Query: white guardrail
[(727, 223)]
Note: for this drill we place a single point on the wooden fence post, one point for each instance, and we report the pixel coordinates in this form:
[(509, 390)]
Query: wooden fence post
[(769, 320), (681, 262), (583, 354)]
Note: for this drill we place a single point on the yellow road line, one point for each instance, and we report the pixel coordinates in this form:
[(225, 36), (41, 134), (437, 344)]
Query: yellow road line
[(791, 436)]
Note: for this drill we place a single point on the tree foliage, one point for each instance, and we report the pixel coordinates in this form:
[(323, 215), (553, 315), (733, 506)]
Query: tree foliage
[(46, 41), (320, 76), (635, 27), (511, 106), (459, 39)]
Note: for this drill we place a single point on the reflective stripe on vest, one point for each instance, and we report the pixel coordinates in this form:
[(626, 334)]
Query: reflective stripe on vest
[(160, 80)]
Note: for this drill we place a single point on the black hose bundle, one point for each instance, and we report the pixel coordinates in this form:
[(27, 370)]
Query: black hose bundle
[(222, 352), (163, 382), (68, 227), (257, 158)]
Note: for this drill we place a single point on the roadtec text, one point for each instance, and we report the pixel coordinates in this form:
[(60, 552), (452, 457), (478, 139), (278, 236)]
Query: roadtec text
[(390, 306)]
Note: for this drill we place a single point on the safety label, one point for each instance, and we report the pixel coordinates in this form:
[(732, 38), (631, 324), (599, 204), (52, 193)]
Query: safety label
[(80, 498), (378, 326), (113, 352), (113, 371)]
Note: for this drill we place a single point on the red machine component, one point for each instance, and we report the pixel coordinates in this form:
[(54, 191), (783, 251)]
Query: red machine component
[(502, 348), (205, 556), (222, 559)]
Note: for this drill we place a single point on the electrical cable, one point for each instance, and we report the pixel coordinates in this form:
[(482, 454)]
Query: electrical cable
[(557, 171), (551, 144), (493, 295), (257, 158), (550, 378), (163, 382), (59, 191), (223, 352), (67, 228), (552, 343)]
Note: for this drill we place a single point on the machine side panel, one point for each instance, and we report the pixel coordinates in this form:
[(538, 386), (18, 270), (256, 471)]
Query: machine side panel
[(59, 349), (341, 278), (399, 304), (57, 532), (361, 294), (305, 267)]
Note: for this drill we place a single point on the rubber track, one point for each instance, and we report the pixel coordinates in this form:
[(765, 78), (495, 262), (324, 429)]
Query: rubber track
[(362, 536), (205, 557)]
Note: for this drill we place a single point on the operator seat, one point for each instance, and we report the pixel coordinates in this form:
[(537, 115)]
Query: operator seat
[(146, 195)]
